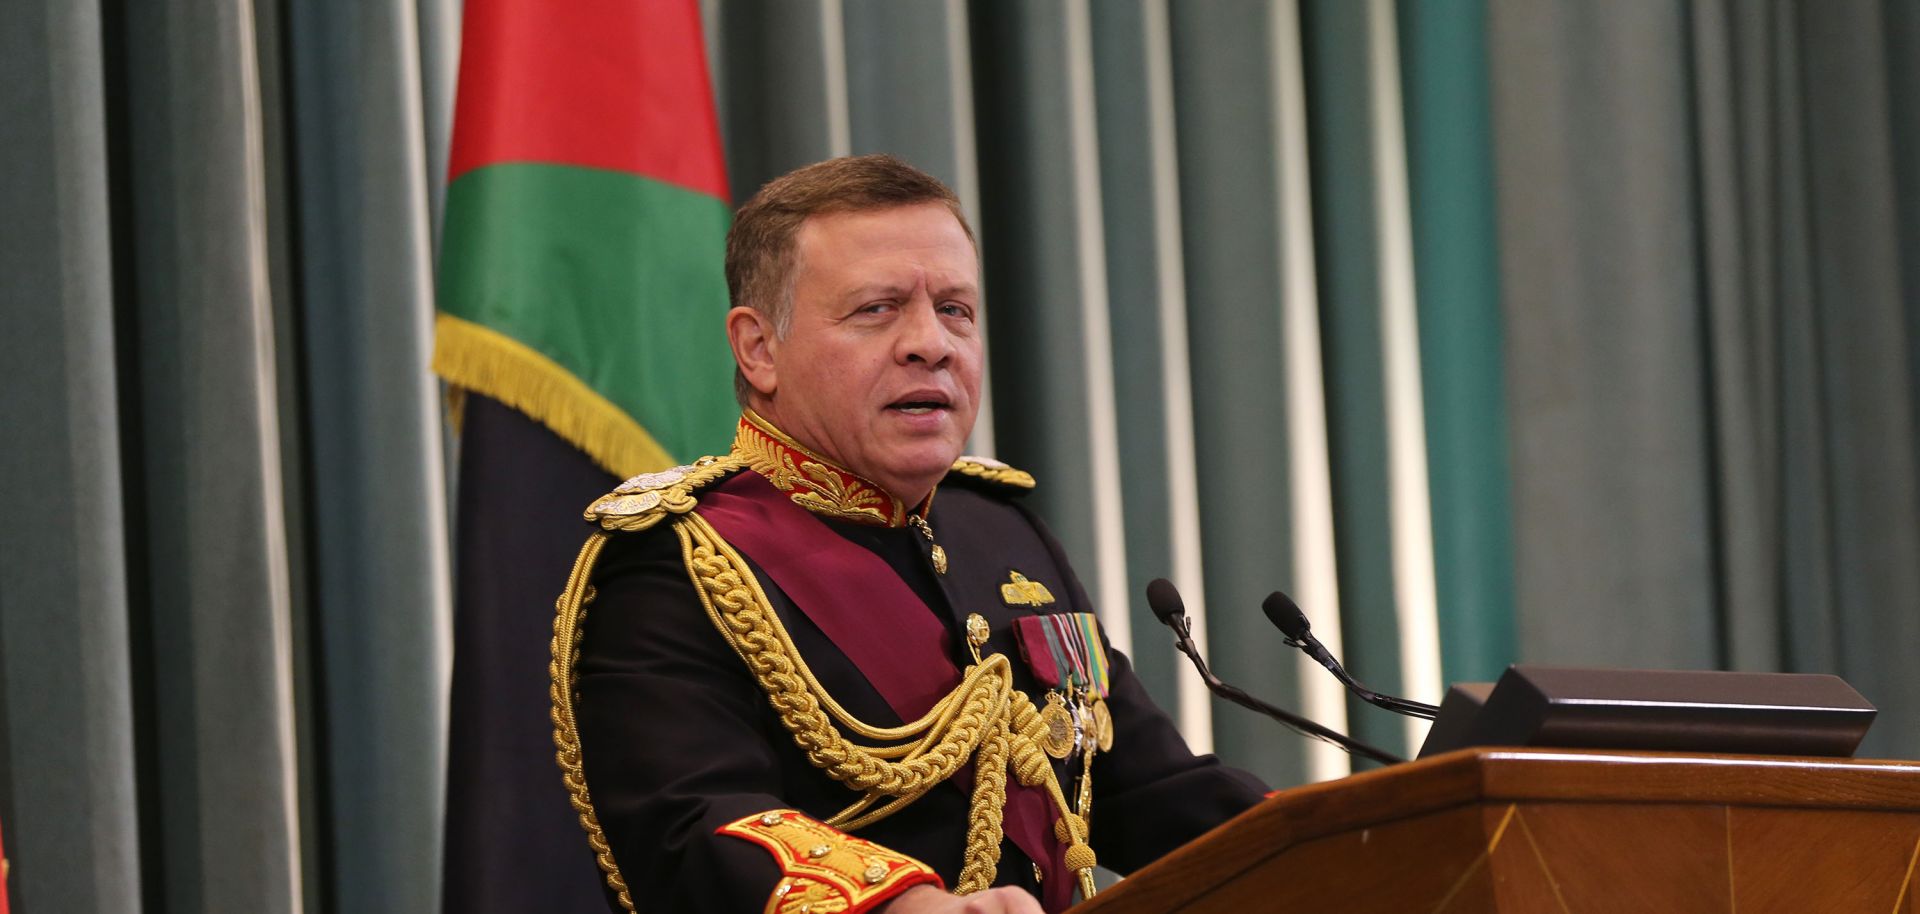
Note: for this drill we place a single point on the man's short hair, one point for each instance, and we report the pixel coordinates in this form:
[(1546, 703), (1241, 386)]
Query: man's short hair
[(761, 246)]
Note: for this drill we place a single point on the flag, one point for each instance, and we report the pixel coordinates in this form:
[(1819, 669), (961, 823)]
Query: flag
[(586, 220), (580, 331)]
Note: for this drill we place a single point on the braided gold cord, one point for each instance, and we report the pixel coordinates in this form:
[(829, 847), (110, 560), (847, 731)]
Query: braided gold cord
[(984, 829), (984, 717), (1033, 769), (945, 737), (719, 569), (564, 652)]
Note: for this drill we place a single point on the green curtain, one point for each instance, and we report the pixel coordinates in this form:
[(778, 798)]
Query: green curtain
[(1656, 262), (225, 572), (1703, 211), (69, 798), (1443, 46)]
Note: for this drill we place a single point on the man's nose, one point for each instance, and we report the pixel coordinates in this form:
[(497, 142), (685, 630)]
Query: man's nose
[(923, 338)]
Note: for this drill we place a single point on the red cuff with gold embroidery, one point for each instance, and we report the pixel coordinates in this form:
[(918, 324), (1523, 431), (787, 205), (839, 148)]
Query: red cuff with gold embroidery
[(826, 869)]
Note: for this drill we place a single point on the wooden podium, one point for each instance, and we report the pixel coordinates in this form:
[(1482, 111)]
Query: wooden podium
[(1559, 830)]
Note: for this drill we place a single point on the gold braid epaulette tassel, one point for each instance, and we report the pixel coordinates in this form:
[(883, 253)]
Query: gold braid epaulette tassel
[(984, 718)]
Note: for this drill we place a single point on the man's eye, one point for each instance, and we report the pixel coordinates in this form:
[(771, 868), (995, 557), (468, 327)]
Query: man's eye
[(956, 309), (879, 307)]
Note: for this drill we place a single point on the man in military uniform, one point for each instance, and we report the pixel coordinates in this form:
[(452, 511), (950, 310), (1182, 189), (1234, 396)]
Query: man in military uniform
[(842, 668)]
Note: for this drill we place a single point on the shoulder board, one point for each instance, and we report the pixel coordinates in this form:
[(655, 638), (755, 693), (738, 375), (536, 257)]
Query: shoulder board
[(989, 470), (649, 498)]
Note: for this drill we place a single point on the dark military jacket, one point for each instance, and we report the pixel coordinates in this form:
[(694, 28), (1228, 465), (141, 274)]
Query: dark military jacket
[(677, 739)]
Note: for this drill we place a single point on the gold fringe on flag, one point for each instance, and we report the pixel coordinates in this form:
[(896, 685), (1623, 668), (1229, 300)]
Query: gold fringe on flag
[(470, 356)]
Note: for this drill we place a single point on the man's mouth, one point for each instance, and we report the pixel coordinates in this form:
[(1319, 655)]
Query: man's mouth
[(918, 404)]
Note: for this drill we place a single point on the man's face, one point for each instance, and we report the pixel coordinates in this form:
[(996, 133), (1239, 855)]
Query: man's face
[(880, 368)]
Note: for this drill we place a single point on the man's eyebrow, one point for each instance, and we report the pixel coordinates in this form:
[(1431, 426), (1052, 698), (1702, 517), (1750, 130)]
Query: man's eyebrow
[(900, 290), (893, 289)]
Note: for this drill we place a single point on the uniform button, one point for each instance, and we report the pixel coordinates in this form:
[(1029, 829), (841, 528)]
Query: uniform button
[(978, 631)]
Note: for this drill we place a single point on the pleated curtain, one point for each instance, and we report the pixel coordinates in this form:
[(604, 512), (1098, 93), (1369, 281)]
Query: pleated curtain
[(1579, 332)]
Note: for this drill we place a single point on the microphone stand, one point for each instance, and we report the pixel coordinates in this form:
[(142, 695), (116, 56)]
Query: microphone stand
[(1297, 632), (1183, 638)]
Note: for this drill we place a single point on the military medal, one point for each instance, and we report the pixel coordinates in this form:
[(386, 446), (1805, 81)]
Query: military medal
[(1064, 651), (1066, 655), (1102, 725), (1058, 739)]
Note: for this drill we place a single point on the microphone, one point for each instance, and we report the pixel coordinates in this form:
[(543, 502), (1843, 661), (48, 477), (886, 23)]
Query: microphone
[(1167, 606), (1287, 617)]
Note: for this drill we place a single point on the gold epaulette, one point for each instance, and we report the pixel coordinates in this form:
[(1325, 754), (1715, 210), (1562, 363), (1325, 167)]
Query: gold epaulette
[(646, 499), (825, 869), (634, 505), (987, 469)]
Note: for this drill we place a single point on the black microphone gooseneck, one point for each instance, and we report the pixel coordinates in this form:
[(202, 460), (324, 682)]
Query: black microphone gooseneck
[(1287, 617), (1171, 611)]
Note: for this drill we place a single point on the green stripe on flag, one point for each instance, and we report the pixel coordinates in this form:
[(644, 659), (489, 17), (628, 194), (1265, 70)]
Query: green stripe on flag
[(615, 278)]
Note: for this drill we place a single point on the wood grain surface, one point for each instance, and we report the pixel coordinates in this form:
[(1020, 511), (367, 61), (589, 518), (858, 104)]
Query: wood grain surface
[(1559, 831)]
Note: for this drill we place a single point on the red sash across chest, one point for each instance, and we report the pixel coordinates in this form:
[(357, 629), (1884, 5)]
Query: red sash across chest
[(843, 589)]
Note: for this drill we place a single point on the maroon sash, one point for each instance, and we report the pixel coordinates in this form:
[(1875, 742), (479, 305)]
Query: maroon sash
[(843, 588)]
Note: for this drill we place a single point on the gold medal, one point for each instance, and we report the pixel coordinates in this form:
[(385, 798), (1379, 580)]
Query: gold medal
[(1058, 739), (1102, 725)]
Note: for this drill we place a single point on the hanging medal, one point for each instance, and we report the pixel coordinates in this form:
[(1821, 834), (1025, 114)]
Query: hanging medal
[(1066, 655), (1102, 725), (1058, 739)]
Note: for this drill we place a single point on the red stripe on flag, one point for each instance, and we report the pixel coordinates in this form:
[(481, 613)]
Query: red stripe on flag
[(616, 84)]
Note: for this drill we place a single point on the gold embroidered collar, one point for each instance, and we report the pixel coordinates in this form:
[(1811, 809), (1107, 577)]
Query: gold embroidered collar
[(814, 482)]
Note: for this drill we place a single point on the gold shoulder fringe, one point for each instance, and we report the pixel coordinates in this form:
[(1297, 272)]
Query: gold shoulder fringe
[(990, 470), (646, 499)]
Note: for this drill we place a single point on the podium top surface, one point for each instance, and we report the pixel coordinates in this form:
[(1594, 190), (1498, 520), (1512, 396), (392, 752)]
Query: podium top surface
[(1480, 776), (1511, 775)]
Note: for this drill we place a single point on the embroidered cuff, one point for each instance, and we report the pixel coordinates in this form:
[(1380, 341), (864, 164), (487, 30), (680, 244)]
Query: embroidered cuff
[(826, 869)]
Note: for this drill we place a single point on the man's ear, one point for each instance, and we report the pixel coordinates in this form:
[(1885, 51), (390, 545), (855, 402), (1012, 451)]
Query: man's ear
[(750, 334)]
